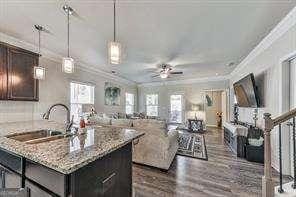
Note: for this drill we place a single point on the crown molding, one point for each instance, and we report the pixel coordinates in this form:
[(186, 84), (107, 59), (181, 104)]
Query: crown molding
[(47, 54), (280, 29), (186, 81)]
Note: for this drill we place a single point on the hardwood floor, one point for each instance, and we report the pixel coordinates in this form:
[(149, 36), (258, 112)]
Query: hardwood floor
[(222, 175)]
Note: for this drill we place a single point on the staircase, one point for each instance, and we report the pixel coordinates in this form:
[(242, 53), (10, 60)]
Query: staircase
[(288, 190), (268, 189)]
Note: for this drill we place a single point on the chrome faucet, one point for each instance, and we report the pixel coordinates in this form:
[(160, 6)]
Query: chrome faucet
[(69, 122)]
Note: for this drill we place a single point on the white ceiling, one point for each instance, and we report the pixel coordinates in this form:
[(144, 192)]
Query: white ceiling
[(199, 38)]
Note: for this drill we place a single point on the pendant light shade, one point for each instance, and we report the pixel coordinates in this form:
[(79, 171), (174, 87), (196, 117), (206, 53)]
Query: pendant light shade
[(39, 71), (68, 65), (114, 47), (68, 62), (114, 52)]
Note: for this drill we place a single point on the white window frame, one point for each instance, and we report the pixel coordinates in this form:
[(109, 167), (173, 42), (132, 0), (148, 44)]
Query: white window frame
[(128, 105), (155, 105), (73, 102), (182, 108)]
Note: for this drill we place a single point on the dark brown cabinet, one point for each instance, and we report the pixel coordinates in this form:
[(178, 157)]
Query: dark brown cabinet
[(17, 81), (9, 179), (3, 72), (109, 176), (35, 191)]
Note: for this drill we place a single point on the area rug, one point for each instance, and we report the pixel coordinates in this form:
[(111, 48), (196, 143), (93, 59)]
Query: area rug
[(192, 145)]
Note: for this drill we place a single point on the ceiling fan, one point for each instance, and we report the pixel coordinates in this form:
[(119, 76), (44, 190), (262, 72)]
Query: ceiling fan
[(166, 71)]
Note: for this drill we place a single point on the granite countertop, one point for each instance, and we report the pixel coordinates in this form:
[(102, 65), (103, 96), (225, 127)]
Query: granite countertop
[(66, 155)]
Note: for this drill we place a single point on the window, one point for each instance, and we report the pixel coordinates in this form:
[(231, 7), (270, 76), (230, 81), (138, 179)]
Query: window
[(129, 103), (176, 108), (152, 104), (80, 94)]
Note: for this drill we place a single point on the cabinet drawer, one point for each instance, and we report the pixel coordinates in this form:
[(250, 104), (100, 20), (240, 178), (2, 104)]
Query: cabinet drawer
[(11, 161), (48, 178), (35, 191)]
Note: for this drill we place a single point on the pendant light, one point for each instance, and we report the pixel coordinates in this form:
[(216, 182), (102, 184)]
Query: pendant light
[(68, 62), (114, 47), (39, 71)]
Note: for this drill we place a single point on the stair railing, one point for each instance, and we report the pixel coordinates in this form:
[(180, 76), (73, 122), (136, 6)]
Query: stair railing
[(267, 181)]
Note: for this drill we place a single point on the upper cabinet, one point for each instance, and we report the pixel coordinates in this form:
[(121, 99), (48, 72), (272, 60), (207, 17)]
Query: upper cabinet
[(17, 81), (3, 72)]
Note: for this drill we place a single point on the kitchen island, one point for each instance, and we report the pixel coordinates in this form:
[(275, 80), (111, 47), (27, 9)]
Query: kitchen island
[(95, 163)]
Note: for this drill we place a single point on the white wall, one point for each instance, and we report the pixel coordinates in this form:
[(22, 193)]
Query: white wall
[(266, 62), (193, 94), (56, 89)]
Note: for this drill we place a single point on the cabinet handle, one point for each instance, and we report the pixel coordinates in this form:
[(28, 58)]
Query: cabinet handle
[(107, 183), (2, 179)]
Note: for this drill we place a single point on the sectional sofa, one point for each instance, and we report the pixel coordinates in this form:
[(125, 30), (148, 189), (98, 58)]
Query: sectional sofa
[(156, 148)]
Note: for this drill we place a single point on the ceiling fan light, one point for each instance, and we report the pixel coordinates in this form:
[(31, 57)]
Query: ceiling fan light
[(39, 72), (68, 65), (163, 75), (114, 52)]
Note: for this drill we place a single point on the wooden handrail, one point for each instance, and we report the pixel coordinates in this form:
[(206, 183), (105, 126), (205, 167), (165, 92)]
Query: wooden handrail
[(284, 117), (267, 181)]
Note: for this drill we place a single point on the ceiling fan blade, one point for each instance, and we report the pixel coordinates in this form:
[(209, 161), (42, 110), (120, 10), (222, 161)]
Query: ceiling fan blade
[(154, 76), (76, 15), (47, 31), (176, 73)]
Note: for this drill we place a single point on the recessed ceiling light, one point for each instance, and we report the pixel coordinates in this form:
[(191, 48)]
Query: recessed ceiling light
[(217, 74)]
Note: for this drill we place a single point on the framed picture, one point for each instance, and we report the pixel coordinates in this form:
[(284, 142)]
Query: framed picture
[(112, 94)]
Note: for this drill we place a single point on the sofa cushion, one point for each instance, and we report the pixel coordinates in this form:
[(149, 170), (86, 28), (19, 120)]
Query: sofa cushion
[(100, 120), (121, 122), (149, 123)]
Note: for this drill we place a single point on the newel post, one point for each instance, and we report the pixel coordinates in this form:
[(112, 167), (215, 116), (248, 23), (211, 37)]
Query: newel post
[(267, 182)]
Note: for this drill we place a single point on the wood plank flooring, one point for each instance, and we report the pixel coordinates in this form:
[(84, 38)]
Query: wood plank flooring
[(223, 175)]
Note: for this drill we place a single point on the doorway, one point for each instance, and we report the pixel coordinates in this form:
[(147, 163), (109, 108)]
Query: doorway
[(215, 107), (176, 108)]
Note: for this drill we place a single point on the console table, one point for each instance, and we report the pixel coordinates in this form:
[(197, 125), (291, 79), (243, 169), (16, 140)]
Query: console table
[(235, 137)]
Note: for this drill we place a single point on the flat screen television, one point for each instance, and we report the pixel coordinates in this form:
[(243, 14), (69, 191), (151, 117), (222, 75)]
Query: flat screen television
[(246, 92)]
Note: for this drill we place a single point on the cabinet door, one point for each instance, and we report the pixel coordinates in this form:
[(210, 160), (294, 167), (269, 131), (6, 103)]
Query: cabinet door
[(3, 72), (35, 191), (9, 179), (21, 82)]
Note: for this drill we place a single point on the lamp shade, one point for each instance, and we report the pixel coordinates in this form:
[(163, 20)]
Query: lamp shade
[(114, 52), (68, 65)]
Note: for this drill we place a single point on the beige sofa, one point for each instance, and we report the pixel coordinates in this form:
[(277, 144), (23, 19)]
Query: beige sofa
[(156, 148)]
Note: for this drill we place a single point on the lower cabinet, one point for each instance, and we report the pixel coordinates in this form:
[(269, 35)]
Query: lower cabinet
[(9, 179), (109, 176), (35, 191)]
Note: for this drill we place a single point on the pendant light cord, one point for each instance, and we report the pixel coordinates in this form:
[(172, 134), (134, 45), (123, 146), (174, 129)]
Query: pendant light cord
[(114, 21), (68, 18), (39, 42)]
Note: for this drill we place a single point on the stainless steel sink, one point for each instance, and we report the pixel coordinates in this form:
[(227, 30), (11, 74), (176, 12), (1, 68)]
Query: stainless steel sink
[(35, 137)]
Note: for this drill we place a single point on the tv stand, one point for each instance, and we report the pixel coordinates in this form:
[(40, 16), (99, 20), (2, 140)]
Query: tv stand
[(235, 136)]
